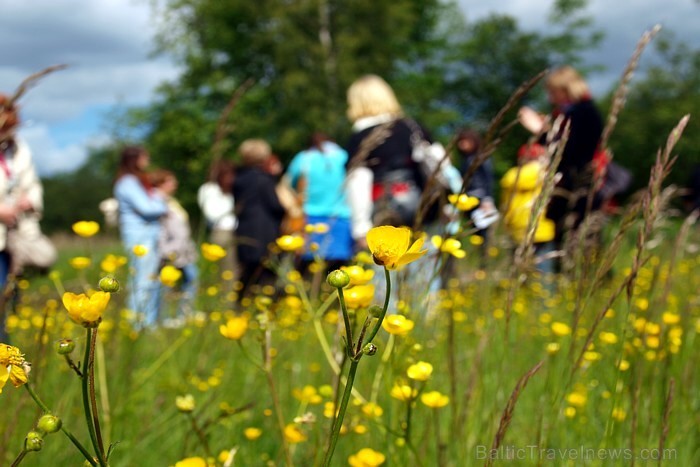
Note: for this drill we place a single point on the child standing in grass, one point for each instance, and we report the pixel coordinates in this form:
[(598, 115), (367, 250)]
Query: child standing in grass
[(175, 244)]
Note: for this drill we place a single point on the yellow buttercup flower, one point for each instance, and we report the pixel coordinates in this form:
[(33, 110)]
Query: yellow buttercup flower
[(366, 458), (420, 371), (358, 275), (192, 462), (307, 394), (290, 242), (608, 337), (139, 250), (86, 228), (434, 399), (111, 263), (79, 262), (618, 414), (364, 258), (252, 433), (463, 202), (476, 240), (319, 228), (234, 328), (372, 410), (85, 310), (169, 275), (185, 403), (449, 245), (398, 325), (12, 366), (359, 296), (293, 434), (577, 399), (560, 329), (403, 392), (213, 252), (391, 246)]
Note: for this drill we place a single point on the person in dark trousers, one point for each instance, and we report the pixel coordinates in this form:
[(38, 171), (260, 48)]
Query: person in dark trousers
[(573, 105), (259, 213)]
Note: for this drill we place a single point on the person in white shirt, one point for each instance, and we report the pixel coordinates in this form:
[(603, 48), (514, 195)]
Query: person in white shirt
[(215, 199)]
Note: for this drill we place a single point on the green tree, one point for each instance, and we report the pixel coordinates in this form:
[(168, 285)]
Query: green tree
[(303, 55), (668, 90)]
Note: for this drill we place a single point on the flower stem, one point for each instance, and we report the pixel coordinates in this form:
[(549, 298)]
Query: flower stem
[(93, 397), (335, 432), (73, 366), (346, 319), (267, 368), (20, 457), (200, 434), (70, 436), (87, 371), (377, 326)]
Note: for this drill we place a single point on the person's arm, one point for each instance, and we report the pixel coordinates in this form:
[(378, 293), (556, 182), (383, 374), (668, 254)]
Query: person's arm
[(29, 189), (358, 186), (269, 196), (129, 190), (533, 121)]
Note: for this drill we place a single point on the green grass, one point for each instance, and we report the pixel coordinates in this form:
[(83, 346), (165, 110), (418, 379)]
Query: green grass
[(145, 372)]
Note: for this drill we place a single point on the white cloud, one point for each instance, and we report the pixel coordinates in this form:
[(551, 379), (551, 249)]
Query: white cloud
[(107, 45), (622, 22), (50, 158)]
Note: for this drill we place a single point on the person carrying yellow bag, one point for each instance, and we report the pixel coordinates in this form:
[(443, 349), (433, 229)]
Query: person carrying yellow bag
[(520, 187)]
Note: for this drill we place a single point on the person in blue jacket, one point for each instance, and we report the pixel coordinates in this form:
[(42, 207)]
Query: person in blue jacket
[(140, 208), (318, 175)]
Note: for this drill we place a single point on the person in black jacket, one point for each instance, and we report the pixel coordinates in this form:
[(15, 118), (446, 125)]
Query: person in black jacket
[(385, 184), (259, 213), (571, 98)]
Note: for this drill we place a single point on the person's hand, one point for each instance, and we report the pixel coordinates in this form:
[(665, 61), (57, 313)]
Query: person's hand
[(487, 206), (532, 120), (8, 215), (24, 205)]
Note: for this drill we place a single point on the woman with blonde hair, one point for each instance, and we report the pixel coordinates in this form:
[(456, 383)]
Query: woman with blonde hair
[(385, 183), (573, 105)]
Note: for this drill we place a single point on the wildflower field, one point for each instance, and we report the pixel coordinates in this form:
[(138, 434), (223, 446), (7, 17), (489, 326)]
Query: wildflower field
[(500, 367)]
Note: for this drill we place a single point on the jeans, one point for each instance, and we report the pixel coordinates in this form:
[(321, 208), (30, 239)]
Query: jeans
[(4, 271), (144, 284)]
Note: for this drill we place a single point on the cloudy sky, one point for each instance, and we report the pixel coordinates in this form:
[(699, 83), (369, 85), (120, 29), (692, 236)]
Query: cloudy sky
[(108, 46)]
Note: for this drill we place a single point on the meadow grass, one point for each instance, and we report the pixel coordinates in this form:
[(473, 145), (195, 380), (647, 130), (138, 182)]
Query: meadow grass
[(636, 388)]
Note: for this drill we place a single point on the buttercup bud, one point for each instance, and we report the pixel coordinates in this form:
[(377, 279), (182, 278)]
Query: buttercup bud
[(33, 441), (369, 349), (375, 311), (49, 423), (109, 284), (65, 346), (338, 279)]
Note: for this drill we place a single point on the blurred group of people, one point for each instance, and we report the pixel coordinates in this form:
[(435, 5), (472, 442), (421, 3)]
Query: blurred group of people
[(390, 171), (387, 173)]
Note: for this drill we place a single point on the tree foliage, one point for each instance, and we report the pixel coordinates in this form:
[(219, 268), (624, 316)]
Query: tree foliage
[(656, 103), (303, 55)]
